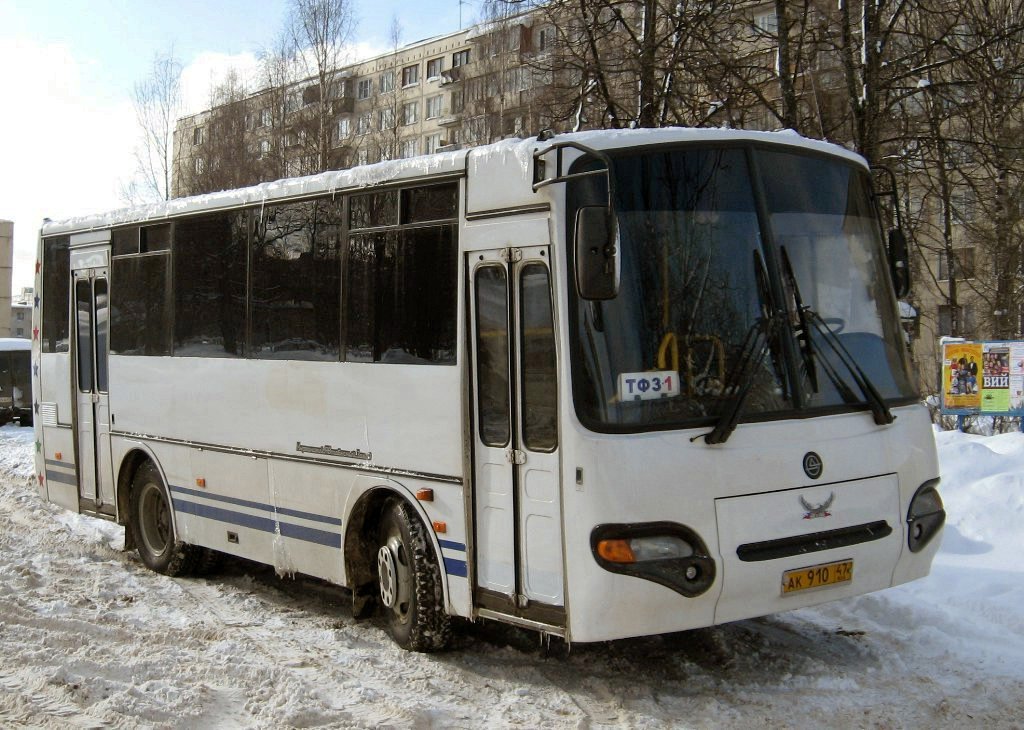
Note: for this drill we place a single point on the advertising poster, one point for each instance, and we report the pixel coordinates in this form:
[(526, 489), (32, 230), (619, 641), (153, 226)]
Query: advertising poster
[(1017, 376), (961, 375), (995, 393)]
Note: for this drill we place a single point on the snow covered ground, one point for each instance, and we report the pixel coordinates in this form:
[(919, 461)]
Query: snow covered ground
[(89, 638)]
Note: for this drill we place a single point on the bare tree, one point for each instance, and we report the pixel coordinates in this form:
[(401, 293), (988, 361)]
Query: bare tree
[(157, 102), (223, 155), (320, 31), (989, 76)]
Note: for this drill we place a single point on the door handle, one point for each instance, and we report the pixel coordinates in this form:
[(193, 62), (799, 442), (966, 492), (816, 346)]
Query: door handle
[(515, 456)]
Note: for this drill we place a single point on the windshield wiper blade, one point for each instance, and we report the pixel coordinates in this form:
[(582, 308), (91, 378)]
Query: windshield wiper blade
[(879, 410), (805, 316), (800, 326), (756, 345)]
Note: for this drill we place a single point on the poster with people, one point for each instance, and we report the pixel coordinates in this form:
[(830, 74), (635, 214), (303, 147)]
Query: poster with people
[(983, 377), (995, 392), (961, 371)]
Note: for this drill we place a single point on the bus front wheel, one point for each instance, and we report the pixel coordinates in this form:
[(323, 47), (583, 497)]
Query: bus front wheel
[(151, 521), (409, 582)]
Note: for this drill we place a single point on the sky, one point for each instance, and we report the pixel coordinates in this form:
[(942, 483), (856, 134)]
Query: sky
[(68, 67)]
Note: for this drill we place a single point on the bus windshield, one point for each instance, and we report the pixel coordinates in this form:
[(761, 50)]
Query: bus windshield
[(712, 242)]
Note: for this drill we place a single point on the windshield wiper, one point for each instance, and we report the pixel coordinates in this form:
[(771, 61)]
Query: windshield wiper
[(756, 345), (879, 410)]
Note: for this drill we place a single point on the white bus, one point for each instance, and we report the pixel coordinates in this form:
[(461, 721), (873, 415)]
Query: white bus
[(599, 385)]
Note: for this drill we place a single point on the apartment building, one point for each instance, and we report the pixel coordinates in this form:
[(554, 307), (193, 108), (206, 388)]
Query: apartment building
[(461, 89)]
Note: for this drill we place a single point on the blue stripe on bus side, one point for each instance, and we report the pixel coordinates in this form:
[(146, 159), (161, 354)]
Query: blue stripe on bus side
[(264, 524), (299, 532), (456, 567), (257, 505)]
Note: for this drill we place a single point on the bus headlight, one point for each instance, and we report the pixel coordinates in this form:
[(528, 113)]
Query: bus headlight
[(925, 516), (664, 552)]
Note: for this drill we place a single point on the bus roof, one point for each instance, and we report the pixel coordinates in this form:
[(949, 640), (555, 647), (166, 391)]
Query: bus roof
[(424, 167)]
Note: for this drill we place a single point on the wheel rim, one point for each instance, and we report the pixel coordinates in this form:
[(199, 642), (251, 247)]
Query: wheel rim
[(155, 519), (394, 576)]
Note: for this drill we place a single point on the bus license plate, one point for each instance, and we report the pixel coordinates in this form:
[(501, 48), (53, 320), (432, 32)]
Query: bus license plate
[(817, 576)]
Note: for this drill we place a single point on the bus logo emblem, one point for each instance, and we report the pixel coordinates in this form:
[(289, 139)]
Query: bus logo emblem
[(814, 511), (813, 466)]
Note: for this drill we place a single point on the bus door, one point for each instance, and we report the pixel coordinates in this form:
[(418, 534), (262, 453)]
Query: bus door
[(516, 492), (89, 295)]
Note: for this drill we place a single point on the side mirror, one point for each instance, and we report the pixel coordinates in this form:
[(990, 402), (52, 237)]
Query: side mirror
[(899, 262), (597, 261)]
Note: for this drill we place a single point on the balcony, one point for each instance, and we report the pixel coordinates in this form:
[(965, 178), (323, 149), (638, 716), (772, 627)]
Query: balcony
[(451, 76)]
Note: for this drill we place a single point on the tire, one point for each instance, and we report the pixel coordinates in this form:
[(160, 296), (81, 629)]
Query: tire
[(410, 591), (151, 521)]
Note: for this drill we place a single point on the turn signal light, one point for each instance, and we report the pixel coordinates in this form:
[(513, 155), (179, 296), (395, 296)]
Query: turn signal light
[(616, 551)]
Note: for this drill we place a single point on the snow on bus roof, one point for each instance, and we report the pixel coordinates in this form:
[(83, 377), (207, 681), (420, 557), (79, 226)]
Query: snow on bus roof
[(381, 173), (13, 344)]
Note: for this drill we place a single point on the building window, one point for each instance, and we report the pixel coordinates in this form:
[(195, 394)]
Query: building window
[(767, 22), (20, 316), (364, 123), (293, 102), (364, 89), (435, 106), (411, 75), (387, 81), (545, 38), (409, 148), (434, 68), (198, 135), (963, 206), (431, 143), (363, 157), (21, 332), (965, 315), (344, 128), (199, 165), (460, 58), (265, 119), (339, 89), (476, 130), (387, 119), (410, 112), (963, 264), (458, 101), (264, 148)]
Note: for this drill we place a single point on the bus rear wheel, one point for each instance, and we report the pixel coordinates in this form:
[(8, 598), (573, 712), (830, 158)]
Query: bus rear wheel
[(151, 521), (409, 581)]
